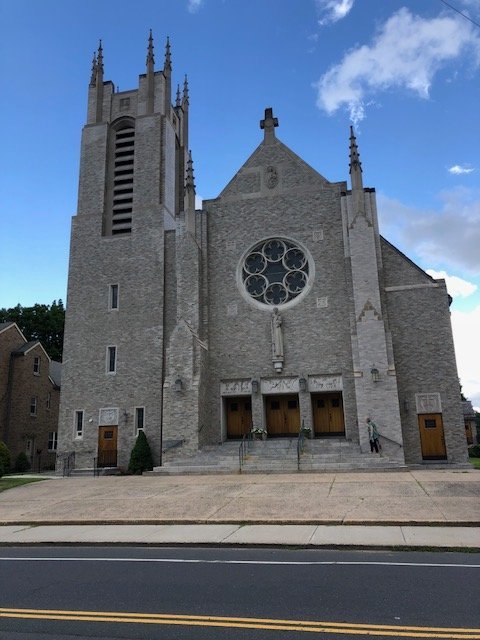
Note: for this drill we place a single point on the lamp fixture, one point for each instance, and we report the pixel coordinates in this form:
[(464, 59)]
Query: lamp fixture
[(178, 385), (375, 373), (254, 386), (302, 383)]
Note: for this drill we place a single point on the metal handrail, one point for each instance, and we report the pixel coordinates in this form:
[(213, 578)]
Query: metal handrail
[(300, 445), (247, 441)]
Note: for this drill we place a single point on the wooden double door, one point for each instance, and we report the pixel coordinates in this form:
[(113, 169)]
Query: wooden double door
[(328, 419), (107, 446), (282, 415), (432, 437), (239, 416)]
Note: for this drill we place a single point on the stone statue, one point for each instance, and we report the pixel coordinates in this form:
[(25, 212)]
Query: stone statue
[(277, 337)]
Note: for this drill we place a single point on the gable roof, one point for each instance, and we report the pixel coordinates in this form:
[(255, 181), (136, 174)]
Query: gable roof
[(24, 349), (5, 326)]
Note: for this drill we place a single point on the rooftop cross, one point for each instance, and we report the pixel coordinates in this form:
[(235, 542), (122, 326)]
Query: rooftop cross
[(268, 124)]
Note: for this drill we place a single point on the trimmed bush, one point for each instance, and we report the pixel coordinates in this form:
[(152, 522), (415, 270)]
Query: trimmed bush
[(22, 463), (474, 452), (141, 456), (4, 458)]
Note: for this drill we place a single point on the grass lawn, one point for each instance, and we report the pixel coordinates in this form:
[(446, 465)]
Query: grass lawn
[(9, 482), (475, 462)]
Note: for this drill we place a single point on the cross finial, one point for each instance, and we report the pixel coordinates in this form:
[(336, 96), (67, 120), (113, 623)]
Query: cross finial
[(268, 124)]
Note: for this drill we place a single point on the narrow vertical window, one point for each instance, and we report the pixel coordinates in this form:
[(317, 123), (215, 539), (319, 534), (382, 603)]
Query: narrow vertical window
[(139, 419), (113, 297), (111, 359), (79, 424), (49, 400), (52, 441), (119, 210), (36, 365), (33, 406)]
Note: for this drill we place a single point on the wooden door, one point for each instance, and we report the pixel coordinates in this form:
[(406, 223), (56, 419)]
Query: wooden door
[(239, 416), (107, 446), (328, 417), (283, 415), (469, 432), (431, 436)]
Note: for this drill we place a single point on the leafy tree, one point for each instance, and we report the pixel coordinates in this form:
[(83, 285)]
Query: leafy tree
[(40, 322), (141, 457), (4, 457), (22, 463)]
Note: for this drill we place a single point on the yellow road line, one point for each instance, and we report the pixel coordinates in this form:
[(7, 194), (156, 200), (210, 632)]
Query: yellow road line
[(244, 623)]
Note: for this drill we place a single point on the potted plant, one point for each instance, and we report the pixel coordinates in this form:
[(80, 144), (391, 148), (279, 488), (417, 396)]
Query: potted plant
[(259, 433)]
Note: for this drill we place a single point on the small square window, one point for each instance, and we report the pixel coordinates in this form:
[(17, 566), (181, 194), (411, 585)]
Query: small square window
[(335, 402), (33, 406), (36, 365), (111, 359), (274, 404), (292, 404), (113, 296), (52, 441)]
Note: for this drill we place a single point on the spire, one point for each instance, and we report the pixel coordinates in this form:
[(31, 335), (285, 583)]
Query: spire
[(178, 102), (355, 164), (185, 99), (189, 198), (150, 56), (93, 77), (268, 124), (99, 84), (167, 66)]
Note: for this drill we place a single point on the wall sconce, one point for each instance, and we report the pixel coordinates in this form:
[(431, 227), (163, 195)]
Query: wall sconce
[(178, 385), (375, 373), (254, 386), (302, 383), (125, 415)]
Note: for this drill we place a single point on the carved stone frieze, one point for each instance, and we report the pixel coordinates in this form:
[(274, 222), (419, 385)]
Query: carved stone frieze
[(280, 385), (108, 417), (236, 387), (428, 403), (325, 383)]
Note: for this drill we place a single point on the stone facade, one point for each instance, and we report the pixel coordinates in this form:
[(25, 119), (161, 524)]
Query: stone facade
[(30, 396), (362, 331)]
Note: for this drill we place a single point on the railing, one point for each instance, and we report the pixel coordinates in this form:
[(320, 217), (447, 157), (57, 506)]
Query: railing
[(104, 459), (245, 444), (300, 445), (68, 464)]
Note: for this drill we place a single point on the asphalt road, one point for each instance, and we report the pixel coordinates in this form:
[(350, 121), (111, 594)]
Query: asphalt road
[(243, 594)]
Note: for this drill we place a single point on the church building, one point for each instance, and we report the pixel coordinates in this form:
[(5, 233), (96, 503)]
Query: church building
[(277, 306)]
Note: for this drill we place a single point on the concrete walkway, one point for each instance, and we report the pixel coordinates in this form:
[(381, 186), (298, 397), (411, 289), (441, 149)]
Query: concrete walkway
[(437, 508)]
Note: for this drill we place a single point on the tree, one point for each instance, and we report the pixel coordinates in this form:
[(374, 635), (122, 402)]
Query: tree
[(141, 456), (4, 458), (40, 322), (22, 463)]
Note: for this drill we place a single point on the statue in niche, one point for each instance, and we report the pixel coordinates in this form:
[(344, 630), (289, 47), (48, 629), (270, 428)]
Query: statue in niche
[(277, 340)]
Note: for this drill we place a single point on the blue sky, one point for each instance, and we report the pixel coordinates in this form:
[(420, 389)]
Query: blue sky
[(407, 74)]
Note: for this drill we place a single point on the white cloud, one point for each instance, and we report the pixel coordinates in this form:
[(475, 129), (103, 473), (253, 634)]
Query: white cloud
[(465, 335), (456, 287), (194, 5), (406, 52), (457, 169), (333, 10), (445, 238)]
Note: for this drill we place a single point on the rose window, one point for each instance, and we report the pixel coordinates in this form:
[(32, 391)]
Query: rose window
[(275, 271)]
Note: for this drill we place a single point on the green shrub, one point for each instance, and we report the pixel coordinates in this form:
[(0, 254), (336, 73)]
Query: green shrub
[(474, 452), (1, 469), (22, 463), (4, 457), (141, 456)]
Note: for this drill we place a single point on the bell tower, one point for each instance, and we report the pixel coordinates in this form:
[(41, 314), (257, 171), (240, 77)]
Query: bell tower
[(133, 164)]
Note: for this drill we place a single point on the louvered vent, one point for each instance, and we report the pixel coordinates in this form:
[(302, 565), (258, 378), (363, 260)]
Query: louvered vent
[(122, 201)]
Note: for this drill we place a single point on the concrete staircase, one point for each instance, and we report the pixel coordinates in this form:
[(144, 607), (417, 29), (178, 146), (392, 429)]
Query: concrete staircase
[(279, 455)]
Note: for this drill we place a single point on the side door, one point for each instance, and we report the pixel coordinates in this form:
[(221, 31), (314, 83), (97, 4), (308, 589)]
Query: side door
[(432, 437)]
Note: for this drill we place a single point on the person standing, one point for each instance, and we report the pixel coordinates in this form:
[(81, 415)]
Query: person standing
[(373, 435)]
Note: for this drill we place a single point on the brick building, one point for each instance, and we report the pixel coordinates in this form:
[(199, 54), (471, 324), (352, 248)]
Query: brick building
[(30, 398), (277, 304)]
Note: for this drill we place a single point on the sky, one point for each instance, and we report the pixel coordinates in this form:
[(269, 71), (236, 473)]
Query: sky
[(406, 74)]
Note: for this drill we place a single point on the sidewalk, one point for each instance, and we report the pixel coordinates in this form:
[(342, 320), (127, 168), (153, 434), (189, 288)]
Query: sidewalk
[(396, 509)]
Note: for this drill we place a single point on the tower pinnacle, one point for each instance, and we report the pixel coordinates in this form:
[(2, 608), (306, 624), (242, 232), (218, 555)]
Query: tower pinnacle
[(355, 164), (185, 100), (93, 77), (100, 61), (150, 55), (189, 180), (178, 101), (167, 67)]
